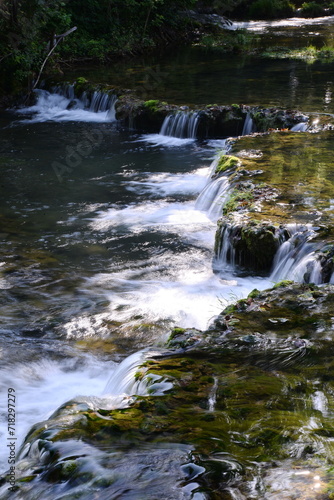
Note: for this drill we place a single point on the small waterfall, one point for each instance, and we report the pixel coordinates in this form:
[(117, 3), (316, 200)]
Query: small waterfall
[(64, 90), (213, 395), (125, 379), (296, 258), (213, 197), (97, 102), (300, 127), (61, 104), (100, 102), (225, 252), (182, 125), (248, 127)]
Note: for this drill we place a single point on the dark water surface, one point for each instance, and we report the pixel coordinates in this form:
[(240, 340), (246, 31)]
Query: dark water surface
[(200, 76)]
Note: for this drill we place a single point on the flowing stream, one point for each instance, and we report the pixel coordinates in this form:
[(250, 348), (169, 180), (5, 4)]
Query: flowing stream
[(107, 243), (119, 248)]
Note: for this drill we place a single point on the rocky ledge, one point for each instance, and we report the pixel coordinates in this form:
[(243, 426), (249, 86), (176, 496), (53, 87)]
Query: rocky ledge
[(280, 193)]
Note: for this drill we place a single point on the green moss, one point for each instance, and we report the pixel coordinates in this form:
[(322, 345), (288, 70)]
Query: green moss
[(239, 198), (254, 293), (309, 53), (283, 283), (81, 80), (265, 385), (227, 162), (298, 166), (152, 104)]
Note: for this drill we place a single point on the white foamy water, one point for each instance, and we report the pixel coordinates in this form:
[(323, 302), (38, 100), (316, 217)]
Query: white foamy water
[(260, 26), (177, 288), (42, 386), (300, 127), (165, 184), (151, 215), (180, 291), (59, 108), (165, 140), (296, 257)]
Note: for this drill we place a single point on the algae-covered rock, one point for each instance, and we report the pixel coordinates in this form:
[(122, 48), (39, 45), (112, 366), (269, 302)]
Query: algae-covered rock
[(249, 244), (226, 162), (298, 166), (281, 191)]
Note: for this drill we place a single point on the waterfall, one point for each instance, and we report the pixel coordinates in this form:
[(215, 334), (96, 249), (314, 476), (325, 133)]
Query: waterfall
[(212, 400), (300, 127), (225, 252), (125, 379), (296, 258), (100, 101), (182, 125), (248, 125), (213, 197), (214, 194), (61, 104)]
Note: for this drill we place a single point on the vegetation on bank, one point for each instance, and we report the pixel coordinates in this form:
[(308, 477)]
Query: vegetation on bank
[(114, 28), (309, 54)]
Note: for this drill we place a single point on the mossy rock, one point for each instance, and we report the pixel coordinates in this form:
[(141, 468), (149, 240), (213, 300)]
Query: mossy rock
[(243, 396), (227, 162), (252, 245)]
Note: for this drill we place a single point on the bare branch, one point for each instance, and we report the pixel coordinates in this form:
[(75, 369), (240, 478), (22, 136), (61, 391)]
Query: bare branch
[(58, 38)]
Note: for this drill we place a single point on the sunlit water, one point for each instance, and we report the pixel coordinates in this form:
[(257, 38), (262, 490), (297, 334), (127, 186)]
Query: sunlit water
[(116, 248), (118, 245)]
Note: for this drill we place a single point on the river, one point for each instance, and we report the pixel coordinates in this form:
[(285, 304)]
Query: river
[(104, 260)]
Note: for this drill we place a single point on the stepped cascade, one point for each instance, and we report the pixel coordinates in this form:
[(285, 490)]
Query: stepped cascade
[(167, 292)]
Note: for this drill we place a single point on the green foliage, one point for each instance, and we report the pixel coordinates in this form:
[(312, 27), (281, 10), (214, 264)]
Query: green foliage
[(229, 41), (270, 9), (104, 28), (312, 9), (26, 30)]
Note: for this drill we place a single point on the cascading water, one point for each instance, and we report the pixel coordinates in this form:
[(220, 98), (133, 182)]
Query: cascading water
[(296, 258), (225, 254), (212, 198), (300, 127), (248, 127), (61, 104), (182, 125), (125, 381), (177, 129)]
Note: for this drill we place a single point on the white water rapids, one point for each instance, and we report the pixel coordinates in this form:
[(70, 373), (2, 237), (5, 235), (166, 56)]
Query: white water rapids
[(173, 286)]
